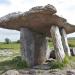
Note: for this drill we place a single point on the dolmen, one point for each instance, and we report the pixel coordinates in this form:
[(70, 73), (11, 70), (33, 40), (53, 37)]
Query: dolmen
[(34, 26)]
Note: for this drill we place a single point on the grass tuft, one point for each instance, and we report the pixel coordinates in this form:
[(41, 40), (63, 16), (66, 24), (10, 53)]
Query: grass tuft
[(60, 65), (19, 63), (56, 64)]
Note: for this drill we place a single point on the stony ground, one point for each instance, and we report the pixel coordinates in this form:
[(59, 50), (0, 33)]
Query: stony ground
[(40, 72)]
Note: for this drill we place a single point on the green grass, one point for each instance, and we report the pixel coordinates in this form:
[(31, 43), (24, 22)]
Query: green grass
[(68, 62), (71, 42), (14, 46), (56, 65), (50, 44), (14, 63), (11, 62)]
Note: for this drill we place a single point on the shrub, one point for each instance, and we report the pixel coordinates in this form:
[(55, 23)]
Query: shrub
[(19, 63), (56, 64), (66, 60)]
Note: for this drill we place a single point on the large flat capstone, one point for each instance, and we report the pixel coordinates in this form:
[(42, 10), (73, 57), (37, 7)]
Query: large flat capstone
[(39, 19)]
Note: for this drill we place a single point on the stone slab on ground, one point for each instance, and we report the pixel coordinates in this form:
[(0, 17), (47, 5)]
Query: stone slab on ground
[(40, 72), (42, 67), (11, 72), (47, 72), (71, 72)]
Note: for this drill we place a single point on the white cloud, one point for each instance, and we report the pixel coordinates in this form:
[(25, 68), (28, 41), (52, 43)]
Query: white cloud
[(65, 8)]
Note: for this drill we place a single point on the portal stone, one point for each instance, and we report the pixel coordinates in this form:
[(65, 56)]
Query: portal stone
[(33, 47), (65, 42), (58, 47)]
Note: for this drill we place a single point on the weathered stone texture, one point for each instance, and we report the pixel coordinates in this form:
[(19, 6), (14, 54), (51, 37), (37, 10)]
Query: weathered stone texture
[(41, 72), (40, 49), (38, 18), (50, 8), (27, 46), (71, 72), (58, 47), (11, 72), (33, 47), (65, 42)]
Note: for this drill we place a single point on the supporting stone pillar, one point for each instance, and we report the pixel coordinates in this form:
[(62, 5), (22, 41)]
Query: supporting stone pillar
[(65, 42), (59, 51), (33, 47), (40, 49), (27, 46)]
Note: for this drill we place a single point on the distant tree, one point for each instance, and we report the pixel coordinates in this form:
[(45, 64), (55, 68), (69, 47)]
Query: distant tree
[(18, 41), (7, 40)]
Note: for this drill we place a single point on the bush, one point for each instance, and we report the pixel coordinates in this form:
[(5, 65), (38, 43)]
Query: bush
[(19, 63), (66, 60), (57, 64)]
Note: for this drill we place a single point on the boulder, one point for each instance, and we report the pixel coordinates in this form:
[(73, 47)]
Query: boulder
[(11, 72), (71, 72), (42, 67), (72, 50)]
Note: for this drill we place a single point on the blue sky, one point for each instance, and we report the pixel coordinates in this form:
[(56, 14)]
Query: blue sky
[(65, 8), (4, 2)]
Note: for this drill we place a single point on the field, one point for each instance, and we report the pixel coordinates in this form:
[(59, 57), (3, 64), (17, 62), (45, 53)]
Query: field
[(71, 42), (15, 48), (12, 47), (6, 61)]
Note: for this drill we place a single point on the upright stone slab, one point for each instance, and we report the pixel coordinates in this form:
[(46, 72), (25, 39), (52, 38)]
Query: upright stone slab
[(27, 46), (40, 49), (65, 42), (59, 51), (33, 47), (72, 50)]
